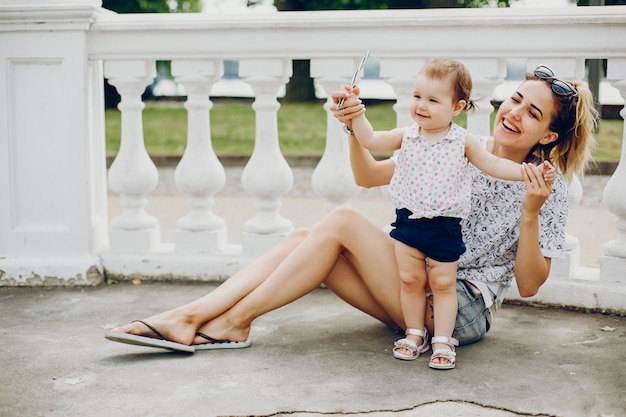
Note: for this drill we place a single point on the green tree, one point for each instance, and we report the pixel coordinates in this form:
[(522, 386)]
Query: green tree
[(151, 6)]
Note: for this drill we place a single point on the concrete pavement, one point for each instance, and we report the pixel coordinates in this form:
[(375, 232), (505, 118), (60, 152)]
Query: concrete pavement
[(313, 357)]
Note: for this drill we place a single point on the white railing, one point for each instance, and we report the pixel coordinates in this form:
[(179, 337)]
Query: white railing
[(54, 226)]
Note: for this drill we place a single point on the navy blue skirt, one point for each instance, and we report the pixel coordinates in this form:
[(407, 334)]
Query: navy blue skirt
[(439, 238)]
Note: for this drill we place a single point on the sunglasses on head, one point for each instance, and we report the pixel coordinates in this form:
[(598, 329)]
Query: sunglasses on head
[(559, 87)]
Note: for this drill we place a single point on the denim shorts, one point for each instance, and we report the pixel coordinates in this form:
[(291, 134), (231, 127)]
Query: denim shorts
[(473, 319)]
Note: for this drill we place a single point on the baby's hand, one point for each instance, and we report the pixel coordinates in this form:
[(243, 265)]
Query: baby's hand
[(548, 171)]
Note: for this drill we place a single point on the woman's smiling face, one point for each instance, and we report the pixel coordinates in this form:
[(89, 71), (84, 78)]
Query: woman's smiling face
[(523, 120)]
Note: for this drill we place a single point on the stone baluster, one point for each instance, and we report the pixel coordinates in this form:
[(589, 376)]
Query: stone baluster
[(400, 74), (487, 74), (266, 176), (613, 261), (332, 177), (132, 174), (566, 267), (199, 173)]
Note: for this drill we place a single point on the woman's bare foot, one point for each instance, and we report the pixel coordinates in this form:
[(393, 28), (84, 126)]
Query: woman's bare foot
[(220, 329), (171, 324)]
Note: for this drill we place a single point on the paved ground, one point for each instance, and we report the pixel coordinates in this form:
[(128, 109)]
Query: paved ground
[(313, 357)]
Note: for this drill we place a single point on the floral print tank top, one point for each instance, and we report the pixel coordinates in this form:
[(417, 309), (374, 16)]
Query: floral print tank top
[(432, 180)]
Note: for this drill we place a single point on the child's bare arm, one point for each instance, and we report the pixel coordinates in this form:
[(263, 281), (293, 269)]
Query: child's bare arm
[(352, 114), (380, 141), (502, 168)]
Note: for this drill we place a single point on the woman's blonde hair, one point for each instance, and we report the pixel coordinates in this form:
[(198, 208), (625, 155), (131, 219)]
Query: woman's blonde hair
[(574, 119)]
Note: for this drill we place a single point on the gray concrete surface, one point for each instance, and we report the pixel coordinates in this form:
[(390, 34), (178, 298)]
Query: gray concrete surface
[(314, 357)]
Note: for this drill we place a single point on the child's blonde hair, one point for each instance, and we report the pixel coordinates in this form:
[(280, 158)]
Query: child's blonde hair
[(574, 119), (440, 68)]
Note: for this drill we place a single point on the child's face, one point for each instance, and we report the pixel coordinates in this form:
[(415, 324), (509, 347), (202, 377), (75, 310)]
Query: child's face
[(433, 106)]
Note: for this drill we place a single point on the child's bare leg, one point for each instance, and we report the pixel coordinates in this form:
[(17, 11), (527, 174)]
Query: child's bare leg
[(180, 324), (442, 280), (413, 277), (345, 250)]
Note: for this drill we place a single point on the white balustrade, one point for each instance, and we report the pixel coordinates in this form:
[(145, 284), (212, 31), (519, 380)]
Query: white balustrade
[(568, 266), (400, 74), (332, 177), (53, 223), (70, 43), (613, 263), (266, 176), (132, 174), (199, 173), (487, 74)]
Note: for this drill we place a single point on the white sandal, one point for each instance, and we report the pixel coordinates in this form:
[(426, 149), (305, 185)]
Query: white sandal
[(411, 345), (448, 354)]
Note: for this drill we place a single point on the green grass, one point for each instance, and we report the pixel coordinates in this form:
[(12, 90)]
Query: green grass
[(301, 128)]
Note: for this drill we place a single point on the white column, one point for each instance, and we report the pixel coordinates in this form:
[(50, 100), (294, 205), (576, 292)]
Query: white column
[(266, 176), (400, 73), (332, 177), (567, 267), (132, 174), (487, 74), (613, 262), (199, 173), (52, 216)]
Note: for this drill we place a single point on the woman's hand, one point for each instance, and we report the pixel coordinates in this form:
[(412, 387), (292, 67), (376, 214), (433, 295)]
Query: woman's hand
[(352, 106), (538, 180), (531, 267)]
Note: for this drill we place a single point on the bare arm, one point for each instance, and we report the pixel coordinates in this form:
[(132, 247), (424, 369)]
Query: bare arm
[(531, 267), (380, 141), (487, 162), (367, 171), (352, 114)]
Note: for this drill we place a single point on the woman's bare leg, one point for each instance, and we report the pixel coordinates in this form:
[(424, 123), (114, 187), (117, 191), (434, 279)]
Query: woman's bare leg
[(348, 285), (317, 259), (180, 324)]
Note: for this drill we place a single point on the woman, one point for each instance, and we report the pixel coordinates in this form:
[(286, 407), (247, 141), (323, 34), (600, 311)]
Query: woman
[(545, 119)]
